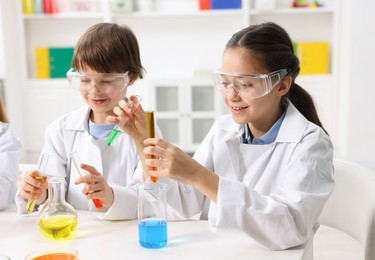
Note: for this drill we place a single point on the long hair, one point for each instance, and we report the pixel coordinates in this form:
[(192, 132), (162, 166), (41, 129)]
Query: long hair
[(273, 48), (3, 116)]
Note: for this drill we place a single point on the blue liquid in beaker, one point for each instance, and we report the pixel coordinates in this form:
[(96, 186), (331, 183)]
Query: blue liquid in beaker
[(152, 233)]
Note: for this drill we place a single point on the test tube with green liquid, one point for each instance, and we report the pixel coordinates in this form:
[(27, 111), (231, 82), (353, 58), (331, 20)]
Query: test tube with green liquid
[(117, 129), (42, 164)]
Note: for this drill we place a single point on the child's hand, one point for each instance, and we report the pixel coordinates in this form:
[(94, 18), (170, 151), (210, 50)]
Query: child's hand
[(96, 186), (33, 186), (131, 119)]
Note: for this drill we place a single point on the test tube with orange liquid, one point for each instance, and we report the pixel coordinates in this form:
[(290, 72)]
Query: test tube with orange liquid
[(77, 162), (151, 134)]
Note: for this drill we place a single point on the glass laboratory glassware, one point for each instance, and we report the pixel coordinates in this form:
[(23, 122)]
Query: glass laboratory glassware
[(57, 219), (152, 215), (57, 254), (151, 134)]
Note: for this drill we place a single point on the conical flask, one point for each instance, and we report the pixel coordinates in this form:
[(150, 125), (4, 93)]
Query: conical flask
[(58, 219)]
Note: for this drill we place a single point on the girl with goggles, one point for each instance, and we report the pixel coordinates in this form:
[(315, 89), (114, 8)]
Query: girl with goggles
[(265, 168)]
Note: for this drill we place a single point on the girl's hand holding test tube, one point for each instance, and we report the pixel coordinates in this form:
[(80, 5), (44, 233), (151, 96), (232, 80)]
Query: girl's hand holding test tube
[(133, 120)]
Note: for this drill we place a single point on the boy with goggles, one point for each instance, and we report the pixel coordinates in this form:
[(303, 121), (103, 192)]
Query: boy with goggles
[(266, 168), (106, 62)]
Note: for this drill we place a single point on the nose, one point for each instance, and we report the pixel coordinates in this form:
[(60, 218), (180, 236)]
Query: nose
[(95, 87), (235, 91)]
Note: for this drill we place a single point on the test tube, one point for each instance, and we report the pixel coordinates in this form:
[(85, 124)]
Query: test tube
[(42, 164), (151, 134), (117, 129), (77, 163)]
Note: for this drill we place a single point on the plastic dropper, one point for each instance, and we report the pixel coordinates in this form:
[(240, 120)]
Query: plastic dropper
[(77, 163), (151, 134), (42, 164), (117, 129)]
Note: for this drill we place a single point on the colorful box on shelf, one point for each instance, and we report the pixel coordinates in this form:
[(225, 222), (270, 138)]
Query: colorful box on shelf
[(52, 62), (204, 4), (313, 56), (122, 6), (225, 4)]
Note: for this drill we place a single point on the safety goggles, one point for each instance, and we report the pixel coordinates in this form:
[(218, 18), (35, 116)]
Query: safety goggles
[(248, 85), (106, 83)]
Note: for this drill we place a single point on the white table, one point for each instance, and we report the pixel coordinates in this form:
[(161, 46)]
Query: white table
[(102, 239)]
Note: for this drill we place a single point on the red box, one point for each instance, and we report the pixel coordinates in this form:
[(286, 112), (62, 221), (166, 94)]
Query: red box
[(204, 4)]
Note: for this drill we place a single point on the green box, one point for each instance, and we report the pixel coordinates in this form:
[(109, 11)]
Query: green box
[(60, 61)]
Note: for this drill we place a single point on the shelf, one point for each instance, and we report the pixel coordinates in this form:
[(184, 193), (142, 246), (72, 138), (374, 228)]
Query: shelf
[(182, 13), (64, 16), (43, 83), (233, 12), (182, 111), (292, 11)]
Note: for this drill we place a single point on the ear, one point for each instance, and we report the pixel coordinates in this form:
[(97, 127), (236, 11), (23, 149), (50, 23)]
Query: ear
[(284, 86), (132, 79)]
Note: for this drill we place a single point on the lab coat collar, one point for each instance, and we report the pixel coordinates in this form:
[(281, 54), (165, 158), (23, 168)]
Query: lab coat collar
[(293, 127), (291, 130), (78, 120)]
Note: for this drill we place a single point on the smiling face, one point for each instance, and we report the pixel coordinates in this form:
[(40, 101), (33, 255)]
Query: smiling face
[(260, 113), (101, 104)]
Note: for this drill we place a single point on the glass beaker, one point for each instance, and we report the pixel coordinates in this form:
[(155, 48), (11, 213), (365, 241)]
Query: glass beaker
[(152, 215), (57, 219)]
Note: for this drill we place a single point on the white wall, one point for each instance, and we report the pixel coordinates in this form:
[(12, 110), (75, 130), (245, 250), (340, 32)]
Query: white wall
[(2, 58), (14, 92), (357, 96)]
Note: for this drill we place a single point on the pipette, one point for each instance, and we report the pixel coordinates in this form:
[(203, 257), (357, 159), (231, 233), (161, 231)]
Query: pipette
[(117, 129), (77, 163), (42, 164), (151, 134)]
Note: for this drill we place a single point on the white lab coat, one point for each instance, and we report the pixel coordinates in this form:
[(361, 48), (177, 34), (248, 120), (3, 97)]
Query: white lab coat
[(10, 151), (274, 193), (69, 133)]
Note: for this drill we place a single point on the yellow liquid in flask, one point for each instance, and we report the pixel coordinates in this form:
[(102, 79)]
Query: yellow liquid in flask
[(58, 227)]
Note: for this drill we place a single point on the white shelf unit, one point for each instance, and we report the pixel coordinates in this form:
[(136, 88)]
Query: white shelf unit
[(175, 47)]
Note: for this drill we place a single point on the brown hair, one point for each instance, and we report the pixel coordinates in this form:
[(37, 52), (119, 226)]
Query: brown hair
[(108, 48), (3, 116), (273, 48)]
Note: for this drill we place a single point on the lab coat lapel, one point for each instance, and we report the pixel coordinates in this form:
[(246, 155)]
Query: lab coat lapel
[(91, 154), (234, 155), (244, 159), (254, 161)]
